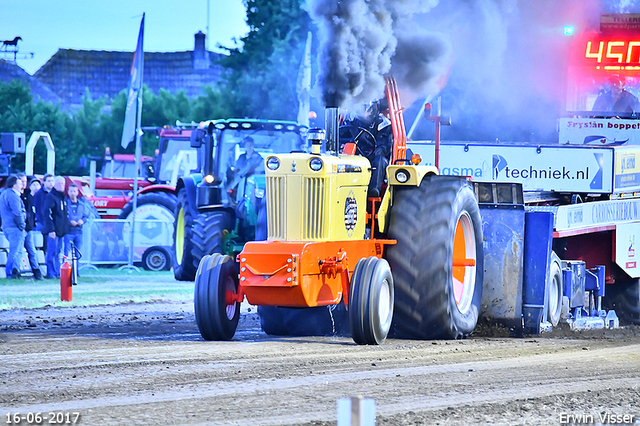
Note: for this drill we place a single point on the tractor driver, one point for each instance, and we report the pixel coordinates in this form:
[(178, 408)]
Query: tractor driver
[(372, 134), (249, 161)]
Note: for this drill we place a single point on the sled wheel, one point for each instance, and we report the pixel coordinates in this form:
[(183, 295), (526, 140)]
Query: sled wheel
[(554, 289), (371, 301), (216, 312)]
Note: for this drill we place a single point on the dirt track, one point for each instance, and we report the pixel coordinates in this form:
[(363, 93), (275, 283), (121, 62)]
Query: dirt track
[(146, 364)]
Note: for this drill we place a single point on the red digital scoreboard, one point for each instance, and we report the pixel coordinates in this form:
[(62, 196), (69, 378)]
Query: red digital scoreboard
[(595, 56), (612, 53), (616, 47)]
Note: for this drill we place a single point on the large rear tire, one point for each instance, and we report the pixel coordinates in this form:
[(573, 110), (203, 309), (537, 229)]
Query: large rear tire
[(164, 201), (208, 233), (216, 313), (151, 207), (184, 262), (316, 321), (437, 263), (371, 301)]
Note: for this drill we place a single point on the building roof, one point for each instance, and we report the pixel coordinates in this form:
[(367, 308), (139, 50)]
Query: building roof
[(70, 71), (10, 71)]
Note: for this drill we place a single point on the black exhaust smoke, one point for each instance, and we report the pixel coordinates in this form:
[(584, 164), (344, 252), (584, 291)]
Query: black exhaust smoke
[(358, 42)]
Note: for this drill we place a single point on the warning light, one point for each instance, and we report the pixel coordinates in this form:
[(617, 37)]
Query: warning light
[(568, 30)]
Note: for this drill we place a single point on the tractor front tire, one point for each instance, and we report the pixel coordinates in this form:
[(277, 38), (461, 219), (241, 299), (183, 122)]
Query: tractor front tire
[(184, 262), (437, 262), (371, 301), (216, 313)]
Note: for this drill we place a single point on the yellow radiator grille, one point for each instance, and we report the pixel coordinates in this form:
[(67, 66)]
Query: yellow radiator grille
[(276, 207), (313, 216)]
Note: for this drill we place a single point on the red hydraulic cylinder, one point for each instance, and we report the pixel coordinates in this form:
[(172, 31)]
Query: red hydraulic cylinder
[(66, 293)]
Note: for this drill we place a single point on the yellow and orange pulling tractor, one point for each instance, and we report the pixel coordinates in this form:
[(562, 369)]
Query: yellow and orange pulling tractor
[(424, 275)]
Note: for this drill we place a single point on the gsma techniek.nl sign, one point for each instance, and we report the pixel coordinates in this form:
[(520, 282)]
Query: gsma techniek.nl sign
[(538, 167)]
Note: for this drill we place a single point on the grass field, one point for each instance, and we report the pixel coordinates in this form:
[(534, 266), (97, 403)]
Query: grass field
[(102, 287)]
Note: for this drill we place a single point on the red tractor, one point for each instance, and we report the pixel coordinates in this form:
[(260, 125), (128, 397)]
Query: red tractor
[(111, 192)]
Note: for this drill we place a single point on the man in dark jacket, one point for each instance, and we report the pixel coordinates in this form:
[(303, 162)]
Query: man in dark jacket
[(56, 225), (13, 217), (38, 203), (29, 242)]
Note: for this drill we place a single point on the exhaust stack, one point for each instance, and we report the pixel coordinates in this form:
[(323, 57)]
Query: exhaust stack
[(331, 124)]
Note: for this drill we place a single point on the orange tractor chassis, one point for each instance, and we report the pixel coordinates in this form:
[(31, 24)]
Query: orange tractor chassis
[(300, 274)]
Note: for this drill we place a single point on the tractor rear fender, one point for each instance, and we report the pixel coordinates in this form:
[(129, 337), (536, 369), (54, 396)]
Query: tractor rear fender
[(189, 183), (157, 188), (415, 175)]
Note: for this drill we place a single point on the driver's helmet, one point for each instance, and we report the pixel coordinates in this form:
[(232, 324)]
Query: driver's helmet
[(373, 110)]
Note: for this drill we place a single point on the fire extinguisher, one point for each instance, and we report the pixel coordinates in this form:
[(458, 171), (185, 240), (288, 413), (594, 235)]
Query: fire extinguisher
[(69, 274), (66, 293)]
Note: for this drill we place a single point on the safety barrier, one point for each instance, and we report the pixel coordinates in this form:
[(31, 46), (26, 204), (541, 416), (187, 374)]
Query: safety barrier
[(23, 263), (104, 242), (107, 241)]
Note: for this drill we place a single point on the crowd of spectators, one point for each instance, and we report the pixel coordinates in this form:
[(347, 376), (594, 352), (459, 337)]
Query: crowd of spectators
[(28, 208)]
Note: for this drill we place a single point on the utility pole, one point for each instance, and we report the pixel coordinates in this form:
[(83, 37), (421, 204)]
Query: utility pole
[(208, 35)]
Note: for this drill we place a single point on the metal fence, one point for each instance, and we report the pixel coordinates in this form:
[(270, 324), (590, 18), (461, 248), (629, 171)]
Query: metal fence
[(106, 241)]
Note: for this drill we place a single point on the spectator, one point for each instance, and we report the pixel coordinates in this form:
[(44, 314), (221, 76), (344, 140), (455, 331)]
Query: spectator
[(29, 242), (78, 214), (56, 225), (13, 223), (38, 203), (34, 186), (616, 99)]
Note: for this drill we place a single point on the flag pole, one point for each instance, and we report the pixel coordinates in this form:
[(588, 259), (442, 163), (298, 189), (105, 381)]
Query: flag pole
[(138, 155), (134, 96)]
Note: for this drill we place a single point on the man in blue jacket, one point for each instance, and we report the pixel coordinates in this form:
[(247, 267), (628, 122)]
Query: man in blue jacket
[(13, 216), (78, 215), (29, 240)]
